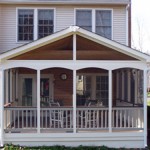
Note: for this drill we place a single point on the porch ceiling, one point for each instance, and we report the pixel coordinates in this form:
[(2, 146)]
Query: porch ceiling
[(90, 50), (63, 50), (59, 50)]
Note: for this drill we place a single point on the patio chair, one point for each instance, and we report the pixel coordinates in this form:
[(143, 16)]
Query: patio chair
[(56, 115)]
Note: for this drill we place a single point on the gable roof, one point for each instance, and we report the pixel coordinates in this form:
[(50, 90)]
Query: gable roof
[(79, 31), (121, 2)]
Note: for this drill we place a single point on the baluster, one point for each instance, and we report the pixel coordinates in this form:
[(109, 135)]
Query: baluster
[(131, 113), (120, 118), (67, 121), (77, 118), (105, 118), (11, 114), (97, 118), (125, 117), (26, 118), (128, 118), (46, 119), (71, 119), (14, 118), (18, 120), (89, 120), (54, 117), (112, 118), (116, 118), (30, 118), (102, 119), (94, 119), (81, 111), (50, 117), (22, 118)]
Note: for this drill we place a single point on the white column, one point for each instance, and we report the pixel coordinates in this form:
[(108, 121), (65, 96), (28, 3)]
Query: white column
[(38, 101), (1, 106), (6, 85), (74, 47), (122, 75), (74, 101), (145, 106), (136, 86), (11, 98), (110, 100), (117, 83), (129, 85), (17, 78)]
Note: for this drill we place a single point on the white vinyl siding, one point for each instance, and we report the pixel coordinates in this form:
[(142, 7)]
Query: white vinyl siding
[(119, 25), (64, 18), (8, 28), (64, 13)]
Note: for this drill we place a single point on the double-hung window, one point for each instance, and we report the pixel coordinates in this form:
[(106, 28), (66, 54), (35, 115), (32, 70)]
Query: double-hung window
[(25, 24), (103, 23), (84, 19), (35, 23), (45, 22), (98, 21)]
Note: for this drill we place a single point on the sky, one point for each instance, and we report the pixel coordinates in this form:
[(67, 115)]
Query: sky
[(141, 25)]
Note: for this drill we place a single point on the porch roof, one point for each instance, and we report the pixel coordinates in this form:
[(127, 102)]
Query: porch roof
[(78, 31)]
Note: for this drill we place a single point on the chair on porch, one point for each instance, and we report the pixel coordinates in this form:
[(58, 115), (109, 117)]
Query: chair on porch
[(56, 115), (89, 117)]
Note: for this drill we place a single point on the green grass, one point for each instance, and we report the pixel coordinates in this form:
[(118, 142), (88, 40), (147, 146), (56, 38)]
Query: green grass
[(15, 147)]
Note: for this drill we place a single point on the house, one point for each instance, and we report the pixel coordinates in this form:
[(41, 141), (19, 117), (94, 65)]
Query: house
[(68, 75)]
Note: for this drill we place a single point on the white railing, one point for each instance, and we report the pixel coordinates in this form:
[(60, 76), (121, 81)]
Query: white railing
[(16, 118), (92, 118), (23, 118), (56, 118), (127, 117)]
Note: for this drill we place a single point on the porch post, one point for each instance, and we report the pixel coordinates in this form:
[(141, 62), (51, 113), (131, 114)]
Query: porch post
[(74, 46), (1, 106), (38, 101), (74, 101), (145, 105), (110, 100)]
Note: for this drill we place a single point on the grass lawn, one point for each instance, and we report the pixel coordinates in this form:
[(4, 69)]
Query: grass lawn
[(13, 147)]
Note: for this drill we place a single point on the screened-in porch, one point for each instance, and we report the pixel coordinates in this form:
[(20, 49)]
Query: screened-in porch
[(57, 112)]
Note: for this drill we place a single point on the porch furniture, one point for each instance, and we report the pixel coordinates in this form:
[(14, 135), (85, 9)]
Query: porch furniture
[(56, 116)]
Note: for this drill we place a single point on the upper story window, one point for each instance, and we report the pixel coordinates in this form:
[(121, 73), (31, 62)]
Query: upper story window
[(25, 25), (35, 23), (98, 21), (103, 23), (84, 19), (45, 23)]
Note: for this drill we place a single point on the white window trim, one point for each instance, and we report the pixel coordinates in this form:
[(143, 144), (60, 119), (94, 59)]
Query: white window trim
[(34, 77), (94, 17), (35, 23)]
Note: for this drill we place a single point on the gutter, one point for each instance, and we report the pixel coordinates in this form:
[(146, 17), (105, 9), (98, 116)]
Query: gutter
[(68, 2)]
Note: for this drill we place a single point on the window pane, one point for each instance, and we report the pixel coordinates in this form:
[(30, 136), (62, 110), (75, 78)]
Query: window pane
[(103, 23), (84, 19), (45, 22), (25, 24)]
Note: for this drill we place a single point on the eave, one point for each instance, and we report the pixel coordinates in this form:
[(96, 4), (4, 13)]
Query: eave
[(67, 2)]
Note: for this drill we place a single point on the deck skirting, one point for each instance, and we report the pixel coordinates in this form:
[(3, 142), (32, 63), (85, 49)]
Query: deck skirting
[(116, 139)]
